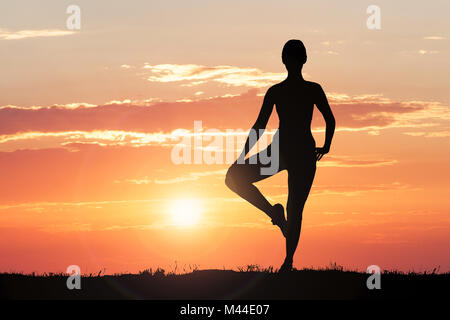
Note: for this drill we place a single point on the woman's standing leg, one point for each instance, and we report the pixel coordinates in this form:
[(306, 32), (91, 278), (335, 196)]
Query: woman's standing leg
[(300, 180)]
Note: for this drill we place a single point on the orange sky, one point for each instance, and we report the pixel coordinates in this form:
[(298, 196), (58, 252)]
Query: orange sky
[(88, 121)]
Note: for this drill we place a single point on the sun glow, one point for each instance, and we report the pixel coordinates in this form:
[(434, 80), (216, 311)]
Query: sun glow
[(186, 212)]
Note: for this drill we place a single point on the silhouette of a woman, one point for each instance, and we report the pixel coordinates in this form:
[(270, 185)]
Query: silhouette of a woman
[(294, 99)]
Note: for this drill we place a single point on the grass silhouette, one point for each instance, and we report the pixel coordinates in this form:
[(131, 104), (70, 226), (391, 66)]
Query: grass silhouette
[(248, 282)]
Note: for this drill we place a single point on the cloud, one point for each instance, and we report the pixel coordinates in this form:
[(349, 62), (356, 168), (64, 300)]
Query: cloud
[(217, 112), (374, 113), (73, 140), (191, 176), (59, 204), (332, 213), (434, 38), (140, 123), (352, 190), (198, 74), (424, 52), (73, 105), (345, 161), (23, 34), (432, 134)]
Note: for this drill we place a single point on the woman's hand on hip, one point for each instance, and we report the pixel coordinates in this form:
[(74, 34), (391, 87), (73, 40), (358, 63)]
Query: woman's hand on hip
[(320, 152)]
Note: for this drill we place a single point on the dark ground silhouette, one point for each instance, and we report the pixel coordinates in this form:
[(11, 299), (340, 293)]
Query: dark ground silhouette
[(227, 284)]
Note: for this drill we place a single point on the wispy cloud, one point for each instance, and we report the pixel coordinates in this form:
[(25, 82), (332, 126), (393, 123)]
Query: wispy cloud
[(344, 161), (73, 105), (432, 134), (354, 190), (191, 176), (74, 139), (134, 123), (23, 34), (424, 52), (198, 74), (434, 38), (56, 204)]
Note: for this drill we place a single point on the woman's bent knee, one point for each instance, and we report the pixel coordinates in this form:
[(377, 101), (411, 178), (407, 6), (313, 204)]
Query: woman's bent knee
[(230, 179)]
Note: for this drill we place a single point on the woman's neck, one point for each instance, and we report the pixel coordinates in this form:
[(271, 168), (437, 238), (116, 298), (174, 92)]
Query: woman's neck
[(295, 76)]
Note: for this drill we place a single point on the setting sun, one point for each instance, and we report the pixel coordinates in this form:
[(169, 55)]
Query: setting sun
[(185, 212)]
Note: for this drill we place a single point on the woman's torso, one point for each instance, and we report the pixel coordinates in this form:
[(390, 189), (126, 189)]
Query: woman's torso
[(294, 103)]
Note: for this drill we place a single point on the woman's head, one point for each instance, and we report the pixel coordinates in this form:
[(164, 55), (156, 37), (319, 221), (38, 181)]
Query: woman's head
[(294, 53)]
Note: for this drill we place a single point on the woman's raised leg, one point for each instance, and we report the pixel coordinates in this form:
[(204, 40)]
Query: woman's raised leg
[(240, 179)]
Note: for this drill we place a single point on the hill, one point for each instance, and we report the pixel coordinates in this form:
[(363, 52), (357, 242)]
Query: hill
[(227, 284)]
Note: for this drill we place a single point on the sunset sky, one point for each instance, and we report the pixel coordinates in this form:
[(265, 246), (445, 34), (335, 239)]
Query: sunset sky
[(89, 119)]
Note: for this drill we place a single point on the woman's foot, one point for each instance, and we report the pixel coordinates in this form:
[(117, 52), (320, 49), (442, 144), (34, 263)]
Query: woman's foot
[(278, 218), (286, 266)]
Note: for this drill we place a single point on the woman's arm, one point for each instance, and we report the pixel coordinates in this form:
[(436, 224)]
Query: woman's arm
[(324, 108), (260, 125)]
